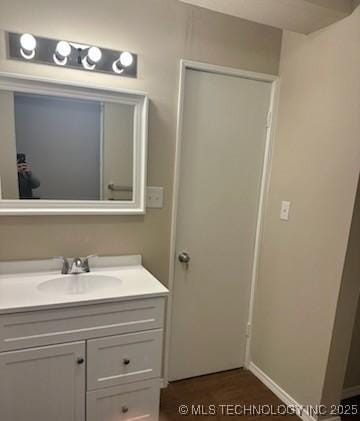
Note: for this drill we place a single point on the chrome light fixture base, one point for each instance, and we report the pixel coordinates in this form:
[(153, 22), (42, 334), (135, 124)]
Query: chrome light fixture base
[(45, 52)]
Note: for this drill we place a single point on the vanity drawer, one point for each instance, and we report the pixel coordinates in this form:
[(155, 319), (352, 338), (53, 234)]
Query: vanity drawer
[(123, 359), (47, 327), (129, 402)]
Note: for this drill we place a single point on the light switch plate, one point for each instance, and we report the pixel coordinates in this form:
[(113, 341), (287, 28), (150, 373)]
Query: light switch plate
[(155, 197), (285, 210)]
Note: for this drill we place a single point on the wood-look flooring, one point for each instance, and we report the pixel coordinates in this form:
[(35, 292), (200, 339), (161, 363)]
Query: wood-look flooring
[(236, 387), (352, 401)]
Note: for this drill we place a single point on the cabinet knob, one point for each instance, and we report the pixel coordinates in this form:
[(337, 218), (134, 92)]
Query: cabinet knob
[(80, 360), (126, 361), (124, 409)]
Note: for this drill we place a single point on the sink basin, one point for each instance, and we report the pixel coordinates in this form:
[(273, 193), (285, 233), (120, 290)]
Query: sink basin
[(79, 284)]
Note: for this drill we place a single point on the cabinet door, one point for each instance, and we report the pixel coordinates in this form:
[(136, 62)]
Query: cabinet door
[(46, 383)]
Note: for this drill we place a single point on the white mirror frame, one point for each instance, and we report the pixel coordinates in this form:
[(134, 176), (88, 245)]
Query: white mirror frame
[(140, 101)]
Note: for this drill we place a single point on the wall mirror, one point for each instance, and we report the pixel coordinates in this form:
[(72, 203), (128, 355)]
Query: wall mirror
[(71, 149)]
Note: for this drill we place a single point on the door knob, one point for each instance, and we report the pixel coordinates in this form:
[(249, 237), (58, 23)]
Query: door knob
[(184, 257)]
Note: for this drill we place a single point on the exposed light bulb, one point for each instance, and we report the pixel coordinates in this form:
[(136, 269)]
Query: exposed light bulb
[(126, 59), (28, 42), (63, 49), (62, 52), (28, 45), (94, 55)]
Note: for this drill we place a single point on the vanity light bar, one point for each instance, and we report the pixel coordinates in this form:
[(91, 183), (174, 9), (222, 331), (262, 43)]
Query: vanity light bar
[(30, 48)]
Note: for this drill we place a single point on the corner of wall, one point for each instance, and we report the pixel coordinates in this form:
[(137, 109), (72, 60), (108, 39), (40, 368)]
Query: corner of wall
[(345, 315)]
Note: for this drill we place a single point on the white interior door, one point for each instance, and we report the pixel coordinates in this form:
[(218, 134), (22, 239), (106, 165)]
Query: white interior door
[(222, 155)]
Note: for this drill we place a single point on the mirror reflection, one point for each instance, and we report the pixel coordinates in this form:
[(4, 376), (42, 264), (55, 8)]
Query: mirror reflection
[(60, 148)]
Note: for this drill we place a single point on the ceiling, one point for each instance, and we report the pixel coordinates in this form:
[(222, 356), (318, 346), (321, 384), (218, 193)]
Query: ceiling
[(303, 16)]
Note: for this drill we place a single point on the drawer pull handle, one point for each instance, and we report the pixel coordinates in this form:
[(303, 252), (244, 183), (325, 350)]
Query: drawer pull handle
[(126, 361), (124, 409), (80, 360)]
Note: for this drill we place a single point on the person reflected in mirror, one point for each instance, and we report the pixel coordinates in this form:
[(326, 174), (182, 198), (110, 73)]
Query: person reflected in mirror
[(26, 179)]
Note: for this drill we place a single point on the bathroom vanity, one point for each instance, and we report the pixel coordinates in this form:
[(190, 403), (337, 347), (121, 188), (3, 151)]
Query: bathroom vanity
[(72, 349)]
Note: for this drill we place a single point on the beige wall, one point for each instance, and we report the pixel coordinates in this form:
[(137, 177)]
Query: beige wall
[(8, 173), (344, 320), (352, 377), (351, 325), (161, 32), (316, 167)]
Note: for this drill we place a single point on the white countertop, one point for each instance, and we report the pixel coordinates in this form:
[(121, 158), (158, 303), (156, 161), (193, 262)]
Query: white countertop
[(19, 282)]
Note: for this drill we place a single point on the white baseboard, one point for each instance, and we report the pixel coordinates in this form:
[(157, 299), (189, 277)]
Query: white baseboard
[(350, 392), (282, 394)]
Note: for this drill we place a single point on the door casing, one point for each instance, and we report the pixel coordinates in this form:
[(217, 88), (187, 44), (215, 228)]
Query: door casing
[(265, 178)]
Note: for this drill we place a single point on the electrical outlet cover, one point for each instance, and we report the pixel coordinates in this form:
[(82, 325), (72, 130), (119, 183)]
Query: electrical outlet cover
[(155, 197)]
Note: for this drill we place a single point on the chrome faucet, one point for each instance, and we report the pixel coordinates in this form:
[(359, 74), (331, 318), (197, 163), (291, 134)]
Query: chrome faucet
[(77, 265), (65, 264)]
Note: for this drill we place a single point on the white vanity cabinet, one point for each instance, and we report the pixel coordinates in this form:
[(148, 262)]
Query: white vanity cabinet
[(96, 362), (46, 383)]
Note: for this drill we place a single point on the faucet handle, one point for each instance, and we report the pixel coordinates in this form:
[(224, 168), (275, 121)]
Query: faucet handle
[(66, 266), (90, 256), (86, 265)]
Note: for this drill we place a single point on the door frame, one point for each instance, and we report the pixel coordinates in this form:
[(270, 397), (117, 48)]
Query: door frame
[(265, 178)]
